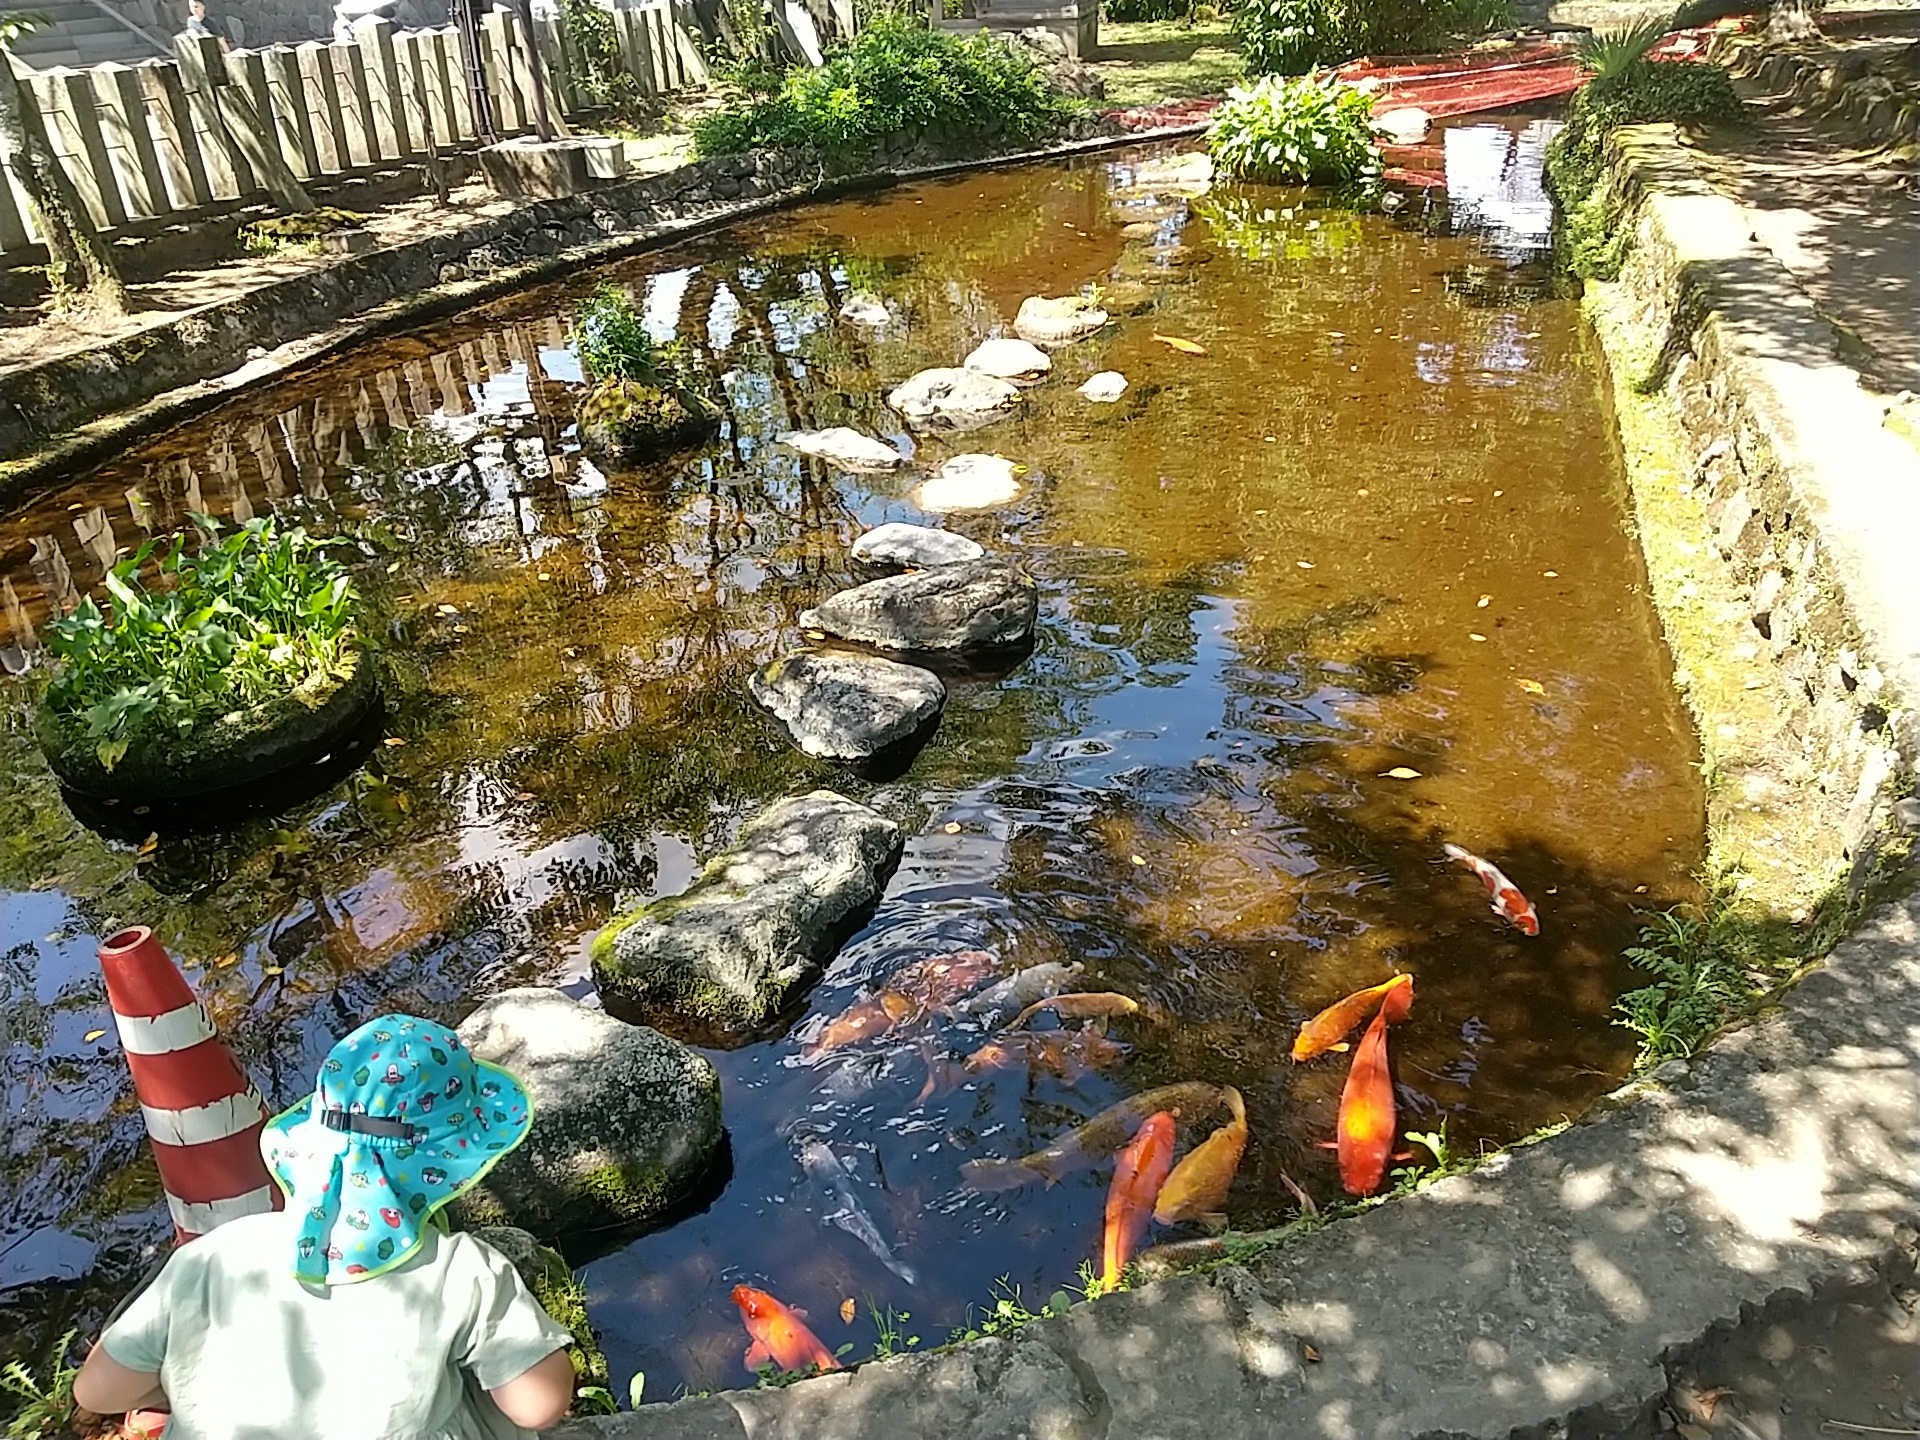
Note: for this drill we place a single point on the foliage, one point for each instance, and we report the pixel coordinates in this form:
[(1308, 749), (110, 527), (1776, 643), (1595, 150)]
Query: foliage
[(300, 234), (244, 620), (1305, 128), (1609, 53), (895, 79), (612, 340), (602, 76), (1593, 242), (888, 1326), (40, 1409), (1008, 1312), (1125, 11), (1291, 37)]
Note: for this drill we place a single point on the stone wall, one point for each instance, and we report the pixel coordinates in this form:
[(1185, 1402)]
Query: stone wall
[(253, 23)]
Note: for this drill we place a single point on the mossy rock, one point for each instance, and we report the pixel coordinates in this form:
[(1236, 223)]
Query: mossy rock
[(242, 747), (553, 1284), (308, 225), (632, 421)]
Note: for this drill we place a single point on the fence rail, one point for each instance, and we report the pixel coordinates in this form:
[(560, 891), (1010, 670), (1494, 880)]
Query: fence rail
[(161, 139)]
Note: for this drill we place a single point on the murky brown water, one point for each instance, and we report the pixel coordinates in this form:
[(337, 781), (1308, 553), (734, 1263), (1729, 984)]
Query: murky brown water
[(1380, 524)]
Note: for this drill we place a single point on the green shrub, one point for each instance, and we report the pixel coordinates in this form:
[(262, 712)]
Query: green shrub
[(1291, 37), (1295, 129), (612, 341), (1131, 10), (896, 78), (243, 621), (40, 1409), (1608, 54), (1286, 37)]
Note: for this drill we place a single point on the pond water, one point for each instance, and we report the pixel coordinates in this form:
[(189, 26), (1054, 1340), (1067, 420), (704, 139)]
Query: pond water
[(1379, 525)]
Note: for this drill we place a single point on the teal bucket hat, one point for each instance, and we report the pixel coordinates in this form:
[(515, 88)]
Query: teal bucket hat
[(402, 1120)]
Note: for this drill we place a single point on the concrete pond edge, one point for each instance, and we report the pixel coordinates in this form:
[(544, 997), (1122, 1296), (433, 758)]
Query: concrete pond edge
[(1554, 1291), (59, 416)]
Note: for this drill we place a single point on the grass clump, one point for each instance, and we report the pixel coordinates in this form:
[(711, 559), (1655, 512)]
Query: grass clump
[(1627, 89), (1291, 37), (612, 340), (896, 79), (1303, 129), (40, 1408), (236, 623)]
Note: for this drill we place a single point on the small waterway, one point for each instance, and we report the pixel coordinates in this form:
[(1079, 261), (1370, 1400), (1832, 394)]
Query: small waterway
[(1379, 526)]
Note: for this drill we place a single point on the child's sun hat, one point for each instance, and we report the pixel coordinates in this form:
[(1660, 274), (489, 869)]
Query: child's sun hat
[(402, 1120)]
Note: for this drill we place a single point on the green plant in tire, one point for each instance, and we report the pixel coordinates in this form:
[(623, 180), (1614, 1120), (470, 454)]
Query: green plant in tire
[(233, 623), (1295, 129)]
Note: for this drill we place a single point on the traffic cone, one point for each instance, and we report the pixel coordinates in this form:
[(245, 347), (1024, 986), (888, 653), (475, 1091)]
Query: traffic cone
[(203, 1114)]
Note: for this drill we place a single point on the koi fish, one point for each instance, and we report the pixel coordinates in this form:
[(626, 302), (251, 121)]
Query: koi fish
[(863, 1020), (1367, 1116), (1019, 990), (1197, 1188), (1185, 347), (941, 980), (1329, 1029), (842, 1206), (1066, 1053), (1508, 903), (1098, 1138), (1098, 1006), (779, 1334), (1137, 1178)]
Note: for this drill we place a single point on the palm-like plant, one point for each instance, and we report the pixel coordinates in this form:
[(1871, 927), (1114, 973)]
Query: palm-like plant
[(1610, 53)]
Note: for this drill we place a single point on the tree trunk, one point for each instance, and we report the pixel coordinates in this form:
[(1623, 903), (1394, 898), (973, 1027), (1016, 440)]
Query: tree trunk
[(1791, 22), (79, 264)]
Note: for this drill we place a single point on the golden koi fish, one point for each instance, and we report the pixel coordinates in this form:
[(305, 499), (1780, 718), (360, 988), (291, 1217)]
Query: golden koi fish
[(1329, 1029), (1094, 1141), (1094, 1006), (1197, 1188)]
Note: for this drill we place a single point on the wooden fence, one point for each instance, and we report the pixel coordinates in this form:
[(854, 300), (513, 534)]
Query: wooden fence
[(164, 138)]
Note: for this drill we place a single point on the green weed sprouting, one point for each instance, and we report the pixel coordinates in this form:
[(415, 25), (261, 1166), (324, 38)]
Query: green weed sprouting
[(612, 341), (889, 1327), (41, 1409), (1697, 986), (1007, 1312), (895, 78), (244, 620), (1305, 129)]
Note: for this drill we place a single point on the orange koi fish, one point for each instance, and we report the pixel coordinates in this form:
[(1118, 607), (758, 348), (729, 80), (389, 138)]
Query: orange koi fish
[(1092, 1142), (1328, 1030), (1368, 1119), (1508, 903), (1079, 1007), (863, 1020), (1197, 1188), (1137, 1177), (943, 978), (1185, 347), (1066, 1053), (779, 1334)]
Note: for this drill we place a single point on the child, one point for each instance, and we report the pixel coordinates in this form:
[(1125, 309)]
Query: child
[(352, 1313)]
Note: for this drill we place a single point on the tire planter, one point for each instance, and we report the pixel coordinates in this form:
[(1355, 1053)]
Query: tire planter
[(240, 748)]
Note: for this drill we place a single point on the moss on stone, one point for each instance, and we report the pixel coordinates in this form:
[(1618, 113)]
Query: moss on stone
[(633, 421), (559, 1292)]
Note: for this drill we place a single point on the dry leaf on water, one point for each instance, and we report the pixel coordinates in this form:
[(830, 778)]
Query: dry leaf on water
[(1484, 601), (392, 740), (449, 609), (952, 827), (92, 1035), (847, 1309), (1400, 772), (1532, 687), (1309, 1354)]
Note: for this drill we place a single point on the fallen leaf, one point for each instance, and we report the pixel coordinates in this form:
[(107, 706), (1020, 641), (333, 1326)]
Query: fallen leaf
[(1136, 860), (273, 969), (461, 629), (952, 827), (232, 957), (523, 795), (1532, 687), (1709, 1400), (392, 740), (149, 845), (393, 567), (1639, 889), (1475, 635), (92, 1035), (847, 1310), (1400, 772), (1484, 601), (544, 576), (1304, 564), (449, 609), (1309, 1354), (1551, 574), (1185, 347)]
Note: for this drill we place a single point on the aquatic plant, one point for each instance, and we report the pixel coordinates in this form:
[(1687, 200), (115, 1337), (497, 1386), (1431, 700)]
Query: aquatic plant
[(40, 1408), (237, 622), (1303, 129), (896, 79)]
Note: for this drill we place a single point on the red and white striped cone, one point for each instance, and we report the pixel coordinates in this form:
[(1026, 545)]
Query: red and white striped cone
[(203, 1115)]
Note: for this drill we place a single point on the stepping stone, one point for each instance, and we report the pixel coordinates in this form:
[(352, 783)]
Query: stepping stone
[(1106, 387), (863, 307), (953, 397), (1054, 322), (839, 706), (985, 604), (913, 547), (846, 448), (1009, 360), (969, 482)]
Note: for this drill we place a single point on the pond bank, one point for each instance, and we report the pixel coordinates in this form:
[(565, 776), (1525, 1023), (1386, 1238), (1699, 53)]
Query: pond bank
[(1562, 1288)]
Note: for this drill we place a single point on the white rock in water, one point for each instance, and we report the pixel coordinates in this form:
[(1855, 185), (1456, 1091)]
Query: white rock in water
[(845, 447), (1009, 359), (1406, 125), (1052, 322), (1188, 174), (950, 393), (863, 307), (1106, 386), (916, 547), (969, 482)]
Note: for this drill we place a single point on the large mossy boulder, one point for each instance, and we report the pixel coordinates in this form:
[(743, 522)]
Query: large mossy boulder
[(743, 943), (629, 422), (552, 1282), (231, 751), (840, 706), (987, 604), (626, 1122)]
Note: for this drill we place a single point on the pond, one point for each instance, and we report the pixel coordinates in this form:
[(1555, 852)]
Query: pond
[(1379, 526)]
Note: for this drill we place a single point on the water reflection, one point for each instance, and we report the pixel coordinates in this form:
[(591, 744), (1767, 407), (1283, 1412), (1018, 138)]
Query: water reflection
[(1333, 547)]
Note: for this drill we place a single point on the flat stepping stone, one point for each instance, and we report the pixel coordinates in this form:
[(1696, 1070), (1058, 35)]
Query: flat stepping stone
[(738, 947), (969, 482), (913, 547), (863, 307), (1056, 321), (1009, 360), (1105, 387), (954, 397), (846, 448), (985, 604), (837, 706)]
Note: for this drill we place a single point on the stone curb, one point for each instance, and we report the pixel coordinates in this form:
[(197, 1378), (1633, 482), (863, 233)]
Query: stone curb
[(1840, 86), (63, 414)]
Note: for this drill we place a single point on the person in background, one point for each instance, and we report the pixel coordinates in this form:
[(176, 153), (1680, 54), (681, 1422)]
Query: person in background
[(199, 26), (353, 1312)]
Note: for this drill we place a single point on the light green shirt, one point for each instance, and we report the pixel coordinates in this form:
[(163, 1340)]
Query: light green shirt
[(247, 1352)]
